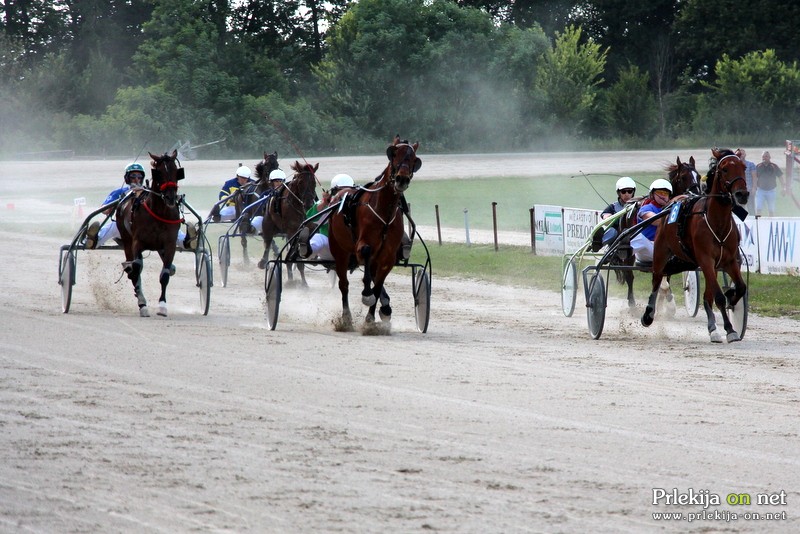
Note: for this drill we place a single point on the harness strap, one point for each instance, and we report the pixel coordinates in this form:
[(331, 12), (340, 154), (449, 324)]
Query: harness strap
[(161, 219)]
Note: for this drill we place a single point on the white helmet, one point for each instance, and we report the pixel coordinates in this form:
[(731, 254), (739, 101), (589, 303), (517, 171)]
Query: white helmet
[(626, 182), (661, 184), (277, 174), (243, 172), (342, 180)]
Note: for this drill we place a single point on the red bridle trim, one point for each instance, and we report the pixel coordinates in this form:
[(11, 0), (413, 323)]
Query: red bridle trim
[(161, 219), (167, 185)]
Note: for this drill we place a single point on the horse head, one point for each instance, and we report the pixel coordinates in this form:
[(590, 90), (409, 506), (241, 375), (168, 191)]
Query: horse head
[(304, 183), (266, 166), (684, 177), (726, 176), (166, 172), (403, 163)]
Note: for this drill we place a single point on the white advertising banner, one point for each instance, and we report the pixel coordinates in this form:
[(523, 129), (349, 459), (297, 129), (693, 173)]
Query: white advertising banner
[(748, 241), (777, 237), (578, 225), (549, 231)]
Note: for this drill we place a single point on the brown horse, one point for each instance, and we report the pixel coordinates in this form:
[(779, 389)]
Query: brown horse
[(685, 180), (370, 230), (251, 200), (150, 221), (287, 207), (707, 239)]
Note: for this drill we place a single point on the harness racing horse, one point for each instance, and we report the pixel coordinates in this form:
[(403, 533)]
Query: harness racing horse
[(150, 220), (708, 239), (250, 194), (369, 231), (286, 209), (685, 180)]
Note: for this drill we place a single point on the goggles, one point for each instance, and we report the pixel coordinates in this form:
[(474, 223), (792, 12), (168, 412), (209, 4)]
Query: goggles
[(627, 191)]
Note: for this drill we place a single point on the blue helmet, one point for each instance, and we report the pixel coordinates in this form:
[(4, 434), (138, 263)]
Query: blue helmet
[(133, 167)]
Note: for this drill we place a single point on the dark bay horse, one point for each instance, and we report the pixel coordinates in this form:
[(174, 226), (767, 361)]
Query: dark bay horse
[(368, 232), (150, 221), (247, 199), (706, 238), (685, 180), (287, 207)]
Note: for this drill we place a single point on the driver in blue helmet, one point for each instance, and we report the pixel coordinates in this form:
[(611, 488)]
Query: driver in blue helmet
[(97, 236)]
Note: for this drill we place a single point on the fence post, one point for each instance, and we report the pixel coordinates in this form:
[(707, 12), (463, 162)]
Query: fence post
[(533, 230), (494, 224), (466, 223), (438, 225)]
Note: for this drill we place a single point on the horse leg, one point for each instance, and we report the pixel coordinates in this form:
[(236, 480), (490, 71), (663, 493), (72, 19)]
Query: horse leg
[(712, 294), (629, 283), (134, 271), (245, 256), (166, 271), (368, 297), (344, 288), (385, 311), (650, 310)]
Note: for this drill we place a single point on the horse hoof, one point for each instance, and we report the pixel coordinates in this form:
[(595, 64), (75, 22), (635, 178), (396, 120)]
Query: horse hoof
[(262, 264), (369, 319), (162, 309), (385, 313), (647, 317), (368, 300), (733, 337), (716, 337), (144, 312)]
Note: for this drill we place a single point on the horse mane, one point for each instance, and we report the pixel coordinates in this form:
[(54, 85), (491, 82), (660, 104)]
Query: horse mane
[(718, 153)]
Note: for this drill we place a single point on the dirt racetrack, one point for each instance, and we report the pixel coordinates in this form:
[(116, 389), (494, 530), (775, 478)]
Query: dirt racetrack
[(504, 417)]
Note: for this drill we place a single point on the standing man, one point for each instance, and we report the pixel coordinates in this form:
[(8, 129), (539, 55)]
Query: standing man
[(768, 176), (750, 177)]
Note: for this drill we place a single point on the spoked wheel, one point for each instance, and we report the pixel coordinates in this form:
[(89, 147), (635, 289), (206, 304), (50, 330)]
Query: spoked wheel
[(67, 280), (738, 314), (204, 282), (596, 305), (422, 300), (224, 259), (272, 286), (691, 292), (569, 288)]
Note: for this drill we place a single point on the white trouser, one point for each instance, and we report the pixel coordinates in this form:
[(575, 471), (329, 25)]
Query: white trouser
[(110, 231), (257, 222), (319, 247), (642, 247), (227, 213)]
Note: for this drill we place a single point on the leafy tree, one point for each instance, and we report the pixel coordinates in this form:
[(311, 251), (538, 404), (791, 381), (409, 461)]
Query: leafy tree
[(568, 79), (705, 28), (629, 108), (756, 92)]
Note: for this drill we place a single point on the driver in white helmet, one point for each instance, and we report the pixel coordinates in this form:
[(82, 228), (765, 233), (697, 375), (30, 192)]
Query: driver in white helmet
[(276, 179), (97, 236), (626, 189), (226, 211), (318, 246), (642, 244)]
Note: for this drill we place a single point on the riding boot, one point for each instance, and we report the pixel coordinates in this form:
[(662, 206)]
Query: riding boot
[(303, 243), (91, 235), (215, 216), (597, 240), (405, 246)]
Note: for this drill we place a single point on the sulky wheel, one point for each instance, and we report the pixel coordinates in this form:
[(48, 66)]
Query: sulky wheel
[(67, 280), (691, 292), (204, 282), (569, 288), (596, 305), (422, 300), (224, 259), (272, 287)]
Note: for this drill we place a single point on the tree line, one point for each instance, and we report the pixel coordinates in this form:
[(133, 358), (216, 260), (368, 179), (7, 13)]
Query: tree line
[(104, 77)]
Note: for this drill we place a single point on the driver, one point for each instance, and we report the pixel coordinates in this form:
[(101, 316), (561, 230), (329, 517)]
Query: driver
[(626, 189), (642, 243), (134, 175)]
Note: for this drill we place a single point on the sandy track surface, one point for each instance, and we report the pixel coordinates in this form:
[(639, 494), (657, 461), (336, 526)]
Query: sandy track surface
[(504, 417)]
